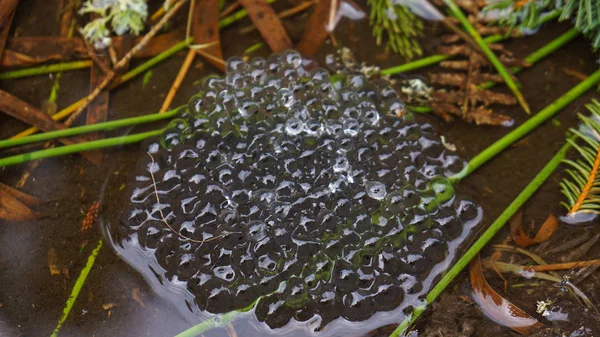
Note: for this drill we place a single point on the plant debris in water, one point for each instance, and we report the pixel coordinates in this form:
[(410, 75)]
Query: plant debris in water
[(467, 97), (314, 197)]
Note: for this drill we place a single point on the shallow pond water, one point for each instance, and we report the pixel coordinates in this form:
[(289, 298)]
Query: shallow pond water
[(117, 301)]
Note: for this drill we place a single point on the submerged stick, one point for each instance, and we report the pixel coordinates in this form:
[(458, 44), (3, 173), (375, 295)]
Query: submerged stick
[(125, 78), (110, 76), (489, 53)]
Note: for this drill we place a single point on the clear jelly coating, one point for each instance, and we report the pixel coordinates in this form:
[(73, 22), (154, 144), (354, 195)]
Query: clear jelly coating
[(312, 195)]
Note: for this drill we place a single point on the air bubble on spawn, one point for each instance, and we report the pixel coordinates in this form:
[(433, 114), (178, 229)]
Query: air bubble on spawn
[(370, 116), (467, 211), (351, 127), (294, 126), (375, 190), (286, 97), (313, 127), (356, 81), (235, 64), (341, 164), (248, 108), (293, 58), (153, 148)]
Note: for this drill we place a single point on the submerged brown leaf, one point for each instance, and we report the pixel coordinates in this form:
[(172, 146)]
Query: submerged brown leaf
[(522, 239), (11, 209), (314, 31), (53, 262), (268, 24), (496, 307), (24, 198)]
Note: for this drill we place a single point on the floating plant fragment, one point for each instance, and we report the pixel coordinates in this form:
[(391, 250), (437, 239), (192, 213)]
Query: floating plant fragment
[(522, 239), (317, 199), (497, 308)]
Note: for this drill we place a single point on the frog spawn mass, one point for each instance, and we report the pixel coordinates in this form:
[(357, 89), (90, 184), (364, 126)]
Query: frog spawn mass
[(315, 197)]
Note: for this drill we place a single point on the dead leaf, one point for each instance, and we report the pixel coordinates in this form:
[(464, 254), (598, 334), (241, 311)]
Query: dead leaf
[(24, 198), (12, 209), (107, 306), (135, 295), (53, 262), (499, 309), (314, 31), (523, 240), (268, 24), (205, 27)]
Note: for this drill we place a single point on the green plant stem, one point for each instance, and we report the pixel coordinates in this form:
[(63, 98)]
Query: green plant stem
[(155, 60), (529, 125), (66, 66), (77, 288), (431, 60), (532, 58), (105, 126), (514, 206), (46, 69), (546, 50), (209, 324), (233, 18), (489, 53), (126, 77), (79, 147)]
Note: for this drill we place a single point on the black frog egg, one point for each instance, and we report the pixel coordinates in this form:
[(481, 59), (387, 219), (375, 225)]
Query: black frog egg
[(319, 198)]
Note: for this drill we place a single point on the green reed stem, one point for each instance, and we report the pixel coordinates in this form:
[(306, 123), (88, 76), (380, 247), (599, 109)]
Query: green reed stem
[(489, 53), (432, 60), (155, 60), (77, 288), (211, 323), (47, 69), (532, 59), (529, 125), (79, 147), (105, 126), (514, 206)]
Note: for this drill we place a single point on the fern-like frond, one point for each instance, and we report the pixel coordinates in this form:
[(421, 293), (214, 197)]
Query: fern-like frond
[(528, 14), (400, 25), (581, 187)]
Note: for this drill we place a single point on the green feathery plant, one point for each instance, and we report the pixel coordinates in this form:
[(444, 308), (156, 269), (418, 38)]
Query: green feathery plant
[(400, 25), (530, 14), (582, 186), (123, 16)]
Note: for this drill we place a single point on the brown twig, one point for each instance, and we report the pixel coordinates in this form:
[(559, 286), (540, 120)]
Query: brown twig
[(229, 9), (562, 266), (282, 15), (111, 75), (162, 216), (92, 54), (220, 62), (177, 83)]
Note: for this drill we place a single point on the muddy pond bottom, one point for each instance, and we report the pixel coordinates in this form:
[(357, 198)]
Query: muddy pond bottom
[(322, 204)]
